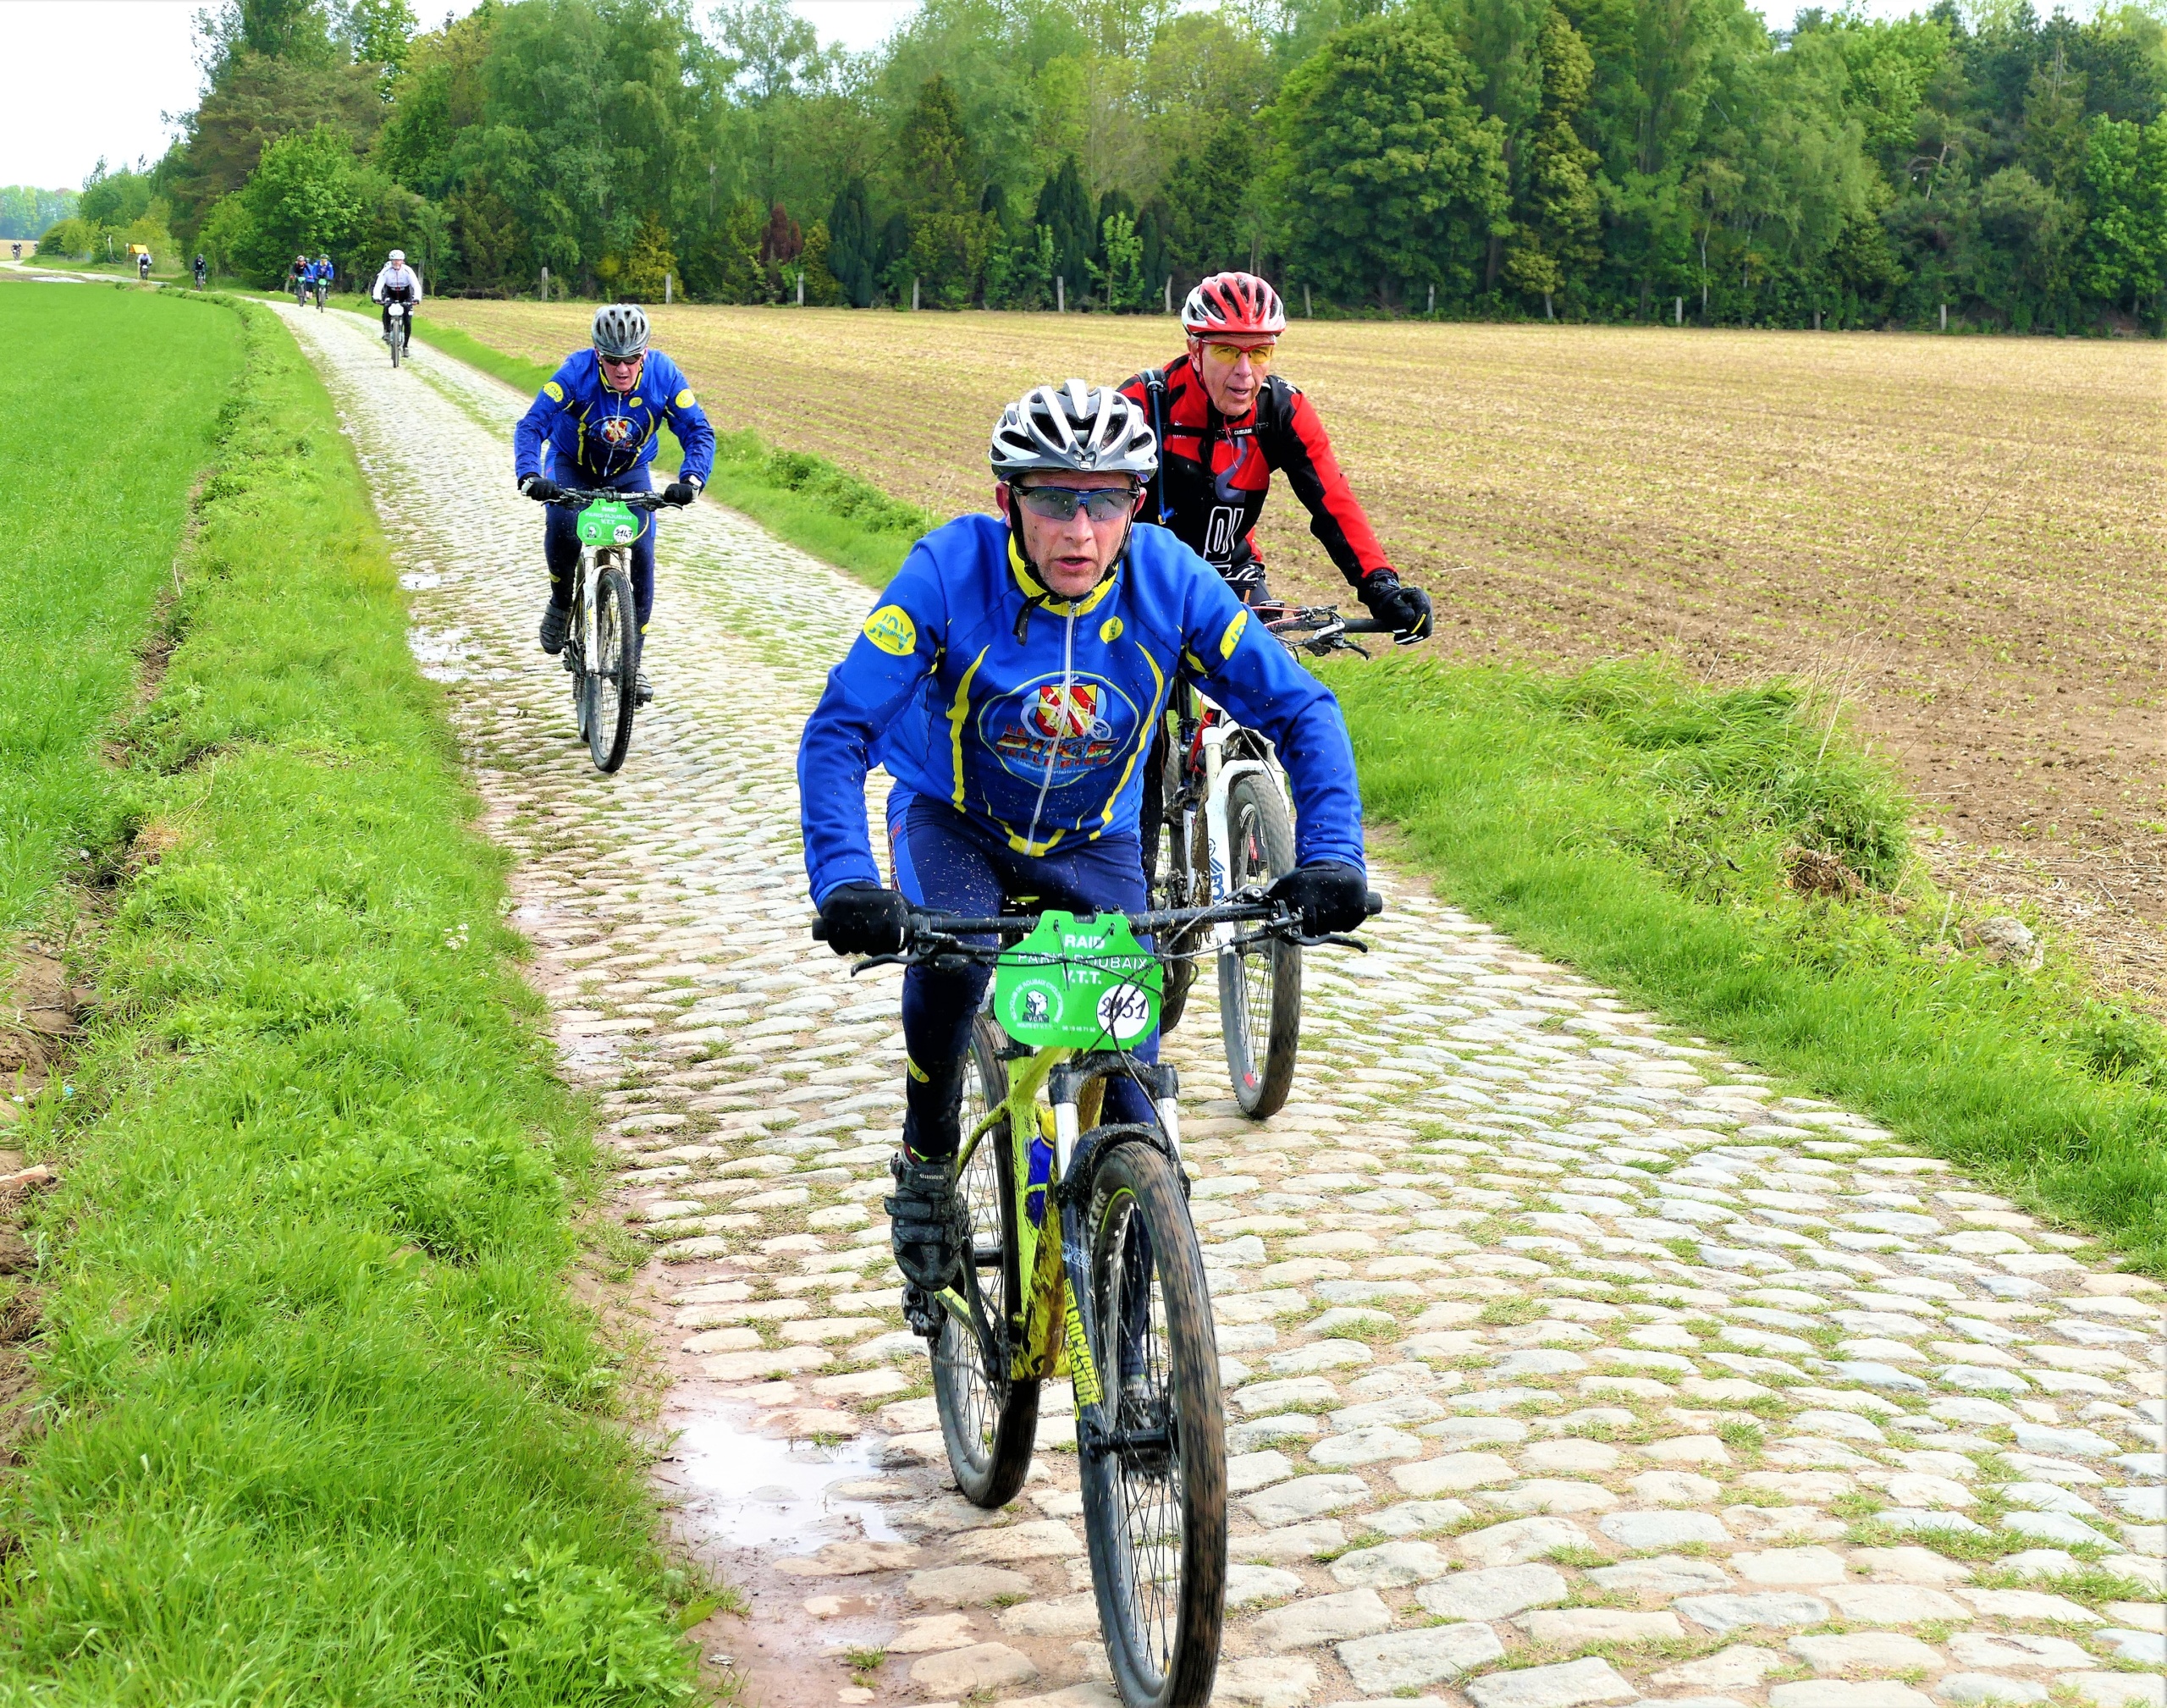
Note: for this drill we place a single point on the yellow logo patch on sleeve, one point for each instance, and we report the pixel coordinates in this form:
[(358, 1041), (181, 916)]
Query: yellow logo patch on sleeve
[(685, 397), (1110, 631), (1233, 634), (891, 629), (556, 392)]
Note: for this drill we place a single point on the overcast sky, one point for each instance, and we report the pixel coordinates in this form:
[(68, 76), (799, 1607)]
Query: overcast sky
[(95, 77)]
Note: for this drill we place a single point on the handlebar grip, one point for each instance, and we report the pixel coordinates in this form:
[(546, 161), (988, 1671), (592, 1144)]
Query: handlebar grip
[(1373, 904), (1369, 625), (819, 931)]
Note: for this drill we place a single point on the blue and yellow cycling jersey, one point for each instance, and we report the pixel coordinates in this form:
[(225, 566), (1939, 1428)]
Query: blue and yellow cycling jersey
[(1034, 715), (595, 434)]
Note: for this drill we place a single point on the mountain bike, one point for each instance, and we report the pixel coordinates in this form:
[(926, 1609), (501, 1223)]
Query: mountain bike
[(1083, 1263), (395, 330), (301, 291), (1228, 829), (322, 288), (602, 647)]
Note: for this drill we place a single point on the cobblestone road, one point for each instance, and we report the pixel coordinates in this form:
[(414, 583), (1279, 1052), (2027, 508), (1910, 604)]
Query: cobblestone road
[(1567, 1363)]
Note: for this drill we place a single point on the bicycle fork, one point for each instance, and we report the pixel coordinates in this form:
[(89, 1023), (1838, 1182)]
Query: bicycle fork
[(1099, 1372)]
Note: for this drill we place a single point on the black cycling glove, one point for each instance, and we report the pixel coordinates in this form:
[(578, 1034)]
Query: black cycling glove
[(1329, 894), (1407, 609), (680, 493), (541, 488), (863, 919)]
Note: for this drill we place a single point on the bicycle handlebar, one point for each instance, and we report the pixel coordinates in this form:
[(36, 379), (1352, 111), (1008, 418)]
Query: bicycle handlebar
[(630, 500), (931, 934)]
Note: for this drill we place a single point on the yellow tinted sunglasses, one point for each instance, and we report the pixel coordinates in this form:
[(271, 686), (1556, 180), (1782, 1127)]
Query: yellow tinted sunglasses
[(1226, 355)]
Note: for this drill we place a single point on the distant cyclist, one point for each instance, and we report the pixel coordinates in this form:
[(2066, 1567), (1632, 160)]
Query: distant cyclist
[(597, 419), (396, 282), (143, 264), (322, 274), (1225, 421), (297, 280), (202, 271)]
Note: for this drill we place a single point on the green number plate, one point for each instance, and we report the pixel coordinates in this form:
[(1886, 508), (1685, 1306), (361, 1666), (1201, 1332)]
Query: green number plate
[(606, 523), (1080, 984)]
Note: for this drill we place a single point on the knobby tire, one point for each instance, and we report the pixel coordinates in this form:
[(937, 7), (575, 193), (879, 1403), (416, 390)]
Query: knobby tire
[(1260, 987), (1155, 1513), (988, 1421), (613, 677)]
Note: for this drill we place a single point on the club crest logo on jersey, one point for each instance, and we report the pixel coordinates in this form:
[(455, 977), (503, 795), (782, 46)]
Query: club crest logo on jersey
[(617, 432), (1078, 729)]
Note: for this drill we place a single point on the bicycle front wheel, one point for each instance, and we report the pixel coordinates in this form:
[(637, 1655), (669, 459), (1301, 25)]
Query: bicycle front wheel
[(1260, 987), (988, 1421), (398, 341), (613, 677), (1155, 1492)]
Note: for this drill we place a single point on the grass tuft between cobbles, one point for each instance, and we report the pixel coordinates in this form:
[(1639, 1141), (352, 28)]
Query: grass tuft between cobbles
[(1650, 833), (317, 1419)]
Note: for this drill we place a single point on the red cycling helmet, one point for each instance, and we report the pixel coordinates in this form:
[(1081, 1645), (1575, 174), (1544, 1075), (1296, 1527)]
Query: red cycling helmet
[(1239, 303)]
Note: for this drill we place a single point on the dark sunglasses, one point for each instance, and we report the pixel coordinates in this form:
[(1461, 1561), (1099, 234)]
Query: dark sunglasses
[(1061, 504)]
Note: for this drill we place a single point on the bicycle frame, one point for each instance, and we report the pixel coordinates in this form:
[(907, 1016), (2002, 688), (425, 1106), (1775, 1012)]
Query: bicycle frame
[(1055, 1273)]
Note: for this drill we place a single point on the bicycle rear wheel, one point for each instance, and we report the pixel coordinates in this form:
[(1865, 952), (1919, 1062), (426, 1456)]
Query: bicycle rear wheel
[(1155, 1494), (1260, 987), (613, 674), (988, 1421)]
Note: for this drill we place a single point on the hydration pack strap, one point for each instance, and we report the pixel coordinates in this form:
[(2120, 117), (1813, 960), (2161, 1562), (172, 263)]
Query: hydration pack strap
[(1154, 382)]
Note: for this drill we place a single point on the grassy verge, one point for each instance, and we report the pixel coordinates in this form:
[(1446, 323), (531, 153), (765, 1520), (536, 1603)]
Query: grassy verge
[(97, 497), (1647, 831), (803, 498), (319, 1420)]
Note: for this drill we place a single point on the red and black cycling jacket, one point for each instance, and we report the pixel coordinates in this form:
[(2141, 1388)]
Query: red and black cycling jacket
[(1214, 471)]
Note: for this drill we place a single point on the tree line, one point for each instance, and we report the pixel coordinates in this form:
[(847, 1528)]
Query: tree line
[(28, 211), (1585, 159)]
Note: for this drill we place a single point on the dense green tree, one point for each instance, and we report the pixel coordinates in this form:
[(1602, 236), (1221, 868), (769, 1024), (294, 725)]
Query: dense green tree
[(1392, 176), (853, 246), (1064, 209), (1555, 243), (2124, 256)]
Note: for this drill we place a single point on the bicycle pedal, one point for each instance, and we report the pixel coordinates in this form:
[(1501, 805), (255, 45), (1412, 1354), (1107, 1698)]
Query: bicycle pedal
[(922, 1312)]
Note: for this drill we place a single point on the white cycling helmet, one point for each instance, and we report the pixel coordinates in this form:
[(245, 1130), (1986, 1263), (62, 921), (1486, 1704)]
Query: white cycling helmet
[(1076, 428), (398, 256), (620, 330)]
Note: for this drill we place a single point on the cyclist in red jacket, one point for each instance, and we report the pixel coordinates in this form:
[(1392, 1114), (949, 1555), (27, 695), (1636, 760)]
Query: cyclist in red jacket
[(1224, 422)]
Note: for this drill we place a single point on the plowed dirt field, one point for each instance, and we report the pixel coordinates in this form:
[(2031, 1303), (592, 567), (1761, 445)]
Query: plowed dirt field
[(1963, 535)]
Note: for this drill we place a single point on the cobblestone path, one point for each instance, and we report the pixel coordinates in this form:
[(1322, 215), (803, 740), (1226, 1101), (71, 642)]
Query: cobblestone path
[(1567, 1363)]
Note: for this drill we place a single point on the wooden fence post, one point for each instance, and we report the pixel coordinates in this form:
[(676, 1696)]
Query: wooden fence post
[(800, 287), (914, 296), (1060, 295), (1944, 316), (545, 285), (1308, 313), (1677, 311), (666, 284), (1432, 309), (1170, 293)]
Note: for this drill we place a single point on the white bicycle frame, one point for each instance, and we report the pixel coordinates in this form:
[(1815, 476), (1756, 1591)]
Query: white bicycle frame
[(1219, 773)]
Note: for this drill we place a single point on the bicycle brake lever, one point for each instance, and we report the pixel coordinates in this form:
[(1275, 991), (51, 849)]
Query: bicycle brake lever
[(1336, 939), (872, 962)]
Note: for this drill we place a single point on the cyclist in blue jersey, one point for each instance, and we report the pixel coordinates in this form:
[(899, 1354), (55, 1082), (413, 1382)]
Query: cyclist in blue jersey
[(1009, 680), (596, 423)]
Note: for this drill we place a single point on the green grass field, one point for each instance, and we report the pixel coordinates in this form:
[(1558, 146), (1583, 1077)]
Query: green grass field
[(94, 481), (317, 1419)]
